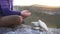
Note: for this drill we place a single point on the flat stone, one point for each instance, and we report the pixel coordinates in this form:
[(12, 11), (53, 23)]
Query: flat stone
[(18, 30)]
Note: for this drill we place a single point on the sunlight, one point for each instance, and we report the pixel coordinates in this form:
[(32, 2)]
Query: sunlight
[(40, 2)]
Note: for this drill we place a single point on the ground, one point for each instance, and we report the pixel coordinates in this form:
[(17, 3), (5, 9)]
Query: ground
[(26, 30), (18, 30)]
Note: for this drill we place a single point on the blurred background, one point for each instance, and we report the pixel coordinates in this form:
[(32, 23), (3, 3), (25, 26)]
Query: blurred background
[(50, 15), (46, 10)]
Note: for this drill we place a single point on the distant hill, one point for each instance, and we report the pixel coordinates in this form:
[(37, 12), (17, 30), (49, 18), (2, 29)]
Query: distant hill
[(41, 6)]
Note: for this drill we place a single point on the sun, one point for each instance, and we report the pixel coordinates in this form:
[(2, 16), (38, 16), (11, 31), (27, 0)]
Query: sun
[(40, 2)]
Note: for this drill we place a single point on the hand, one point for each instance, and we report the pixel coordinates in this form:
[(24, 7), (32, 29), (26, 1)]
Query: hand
[(25, 13), (21, 18)]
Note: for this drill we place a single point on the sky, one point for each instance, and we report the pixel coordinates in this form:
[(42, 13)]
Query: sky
[(40, 2)]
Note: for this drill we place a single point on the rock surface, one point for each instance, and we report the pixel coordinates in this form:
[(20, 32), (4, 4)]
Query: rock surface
[(18, 30)]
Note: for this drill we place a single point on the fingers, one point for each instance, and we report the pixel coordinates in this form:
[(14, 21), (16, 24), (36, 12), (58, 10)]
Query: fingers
[(21, 18), (25, 13)]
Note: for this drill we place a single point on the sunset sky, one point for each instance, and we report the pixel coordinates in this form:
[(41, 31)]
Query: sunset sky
[(40, 2)]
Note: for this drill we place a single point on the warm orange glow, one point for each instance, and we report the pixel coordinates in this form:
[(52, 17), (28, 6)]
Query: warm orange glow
[(40, 2)]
